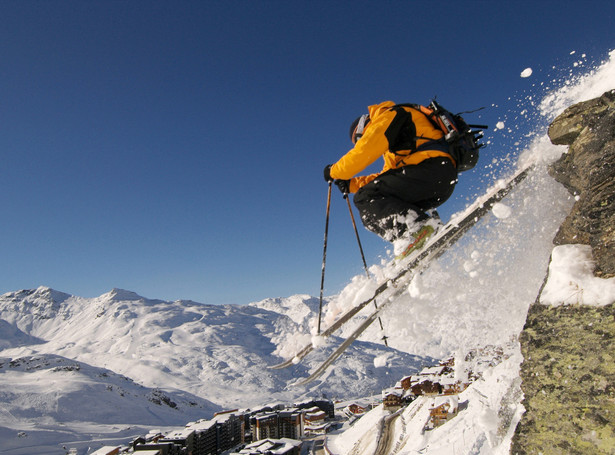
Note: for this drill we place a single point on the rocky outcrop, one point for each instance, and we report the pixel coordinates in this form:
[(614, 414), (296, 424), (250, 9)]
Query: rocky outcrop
[(568, 381), (588, 171), (568, 372)]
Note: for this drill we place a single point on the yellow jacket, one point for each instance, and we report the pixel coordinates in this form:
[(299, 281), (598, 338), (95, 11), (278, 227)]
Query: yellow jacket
[(374, 144)]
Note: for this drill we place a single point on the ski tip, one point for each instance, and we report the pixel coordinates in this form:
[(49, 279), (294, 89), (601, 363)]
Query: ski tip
[(302, 382), (287, 363)]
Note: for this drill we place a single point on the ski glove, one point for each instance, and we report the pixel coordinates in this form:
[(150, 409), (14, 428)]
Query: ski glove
[(327, 172), (344, 186)]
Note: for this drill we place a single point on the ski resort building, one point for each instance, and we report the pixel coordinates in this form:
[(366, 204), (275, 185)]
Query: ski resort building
[(392, 399), (280, 424), (275, 429), (203, 437), (107, 450), (272, 446), (355, 409), (436, 380), (442, 410), (405, 382), (315, 421), (325, 405)]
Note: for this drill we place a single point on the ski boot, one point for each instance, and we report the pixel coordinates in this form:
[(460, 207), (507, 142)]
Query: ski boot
[(417, 240)]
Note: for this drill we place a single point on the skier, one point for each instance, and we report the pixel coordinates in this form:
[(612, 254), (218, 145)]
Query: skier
[(419, 173)]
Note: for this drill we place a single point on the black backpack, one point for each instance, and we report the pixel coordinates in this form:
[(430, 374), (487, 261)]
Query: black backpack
[(462, 140)]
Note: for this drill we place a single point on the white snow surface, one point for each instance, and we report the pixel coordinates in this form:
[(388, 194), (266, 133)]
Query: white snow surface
[(571, 279), (82, 373)]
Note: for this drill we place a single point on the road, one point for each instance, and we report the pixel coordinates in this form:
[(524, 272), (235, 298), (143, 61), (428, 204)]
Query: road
[(314, 446)]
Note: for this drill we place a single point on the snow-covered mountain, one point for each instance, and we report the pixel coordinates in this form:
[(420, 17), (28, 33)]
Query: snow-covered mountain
[(54, 388), (129, 358)]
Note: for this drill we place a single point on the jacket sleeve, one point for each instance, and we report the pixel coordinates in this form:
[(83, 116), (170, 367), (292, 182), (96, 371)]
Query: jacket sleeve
[(369, 148), (358, 182)]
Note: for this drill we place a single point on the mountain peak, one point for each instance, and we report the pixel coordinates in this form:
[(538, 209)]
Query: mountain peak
[(119, 295), (41, 294)]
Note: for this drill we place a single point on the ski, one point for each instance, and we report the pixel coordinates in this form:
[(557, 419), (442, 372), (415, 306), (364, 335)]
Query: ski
[(435, 247), (347, 342), (329, 330)]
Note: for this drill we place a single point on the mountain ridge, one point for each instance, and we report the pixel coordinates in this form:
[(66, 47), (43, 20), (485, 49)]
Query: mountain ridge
[(212, 351)]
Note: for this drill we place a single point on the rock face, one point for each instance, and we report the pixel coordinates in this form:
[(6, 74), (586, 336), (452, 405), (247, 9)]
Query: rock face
[(568, 371), (588, 171), (568, 381)]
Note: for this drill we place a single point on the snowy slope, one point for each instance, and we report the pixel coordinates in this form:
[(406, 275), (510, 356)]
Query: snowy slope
[(299, 308), (118, 352), (48, 401), (488, 411), (54, 387)]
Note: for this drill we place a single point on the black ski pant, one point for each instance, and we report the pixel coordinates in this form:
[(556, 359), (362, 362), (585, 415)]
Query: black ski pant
[(404, 193)]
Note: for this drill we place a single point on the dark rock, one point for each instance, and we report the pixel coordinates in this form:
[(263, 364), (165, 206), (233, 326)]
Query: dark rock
[(588, 171), (568, 381), (565, 129)]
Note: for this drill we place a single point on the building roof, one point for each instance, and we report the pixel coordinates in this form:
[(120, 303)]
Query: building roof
[(105, 450), (451, 400), (202, 425), (436, 371), (392, 391), (182, 433), (274, 446)]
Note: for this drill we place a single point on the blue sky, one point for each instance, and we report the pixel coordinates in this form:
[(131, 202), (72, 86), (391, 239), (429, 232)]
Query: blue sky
[(176, 149)]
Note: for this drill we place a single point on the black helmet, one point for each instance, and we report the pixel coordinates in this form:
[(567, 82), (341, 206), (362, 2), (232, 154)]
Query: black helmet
[(357, 127)]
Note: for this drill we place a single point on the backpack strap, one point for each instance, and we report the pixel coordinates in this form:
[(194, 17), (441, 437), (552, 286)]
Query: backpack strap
[(402, 134)]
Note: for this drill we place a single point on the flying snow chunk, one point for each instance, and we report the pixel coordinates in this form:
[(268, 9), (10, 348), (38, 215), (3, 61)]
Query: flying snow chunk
[(499, 126), (527, 72), (501, 211), (381, 360)]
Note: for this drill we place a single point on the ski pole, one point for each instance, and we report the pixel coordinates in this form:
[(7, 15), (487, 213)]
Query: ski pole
[(356, 232), (324, 255)]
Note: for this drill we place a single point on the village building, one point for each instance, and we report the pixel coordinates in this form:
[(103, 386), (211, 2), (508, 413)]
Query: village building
[(442, 410), (287, 423), (207, 440), (291, 424), (426, 386), (435, 380), (355, 409), (315, 421), (392, 399), (282, 446), (326, 406), (229, 430), (264, 426), (203, 437), (183, 438), (107, 450), (159, 449), (405, 382)]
